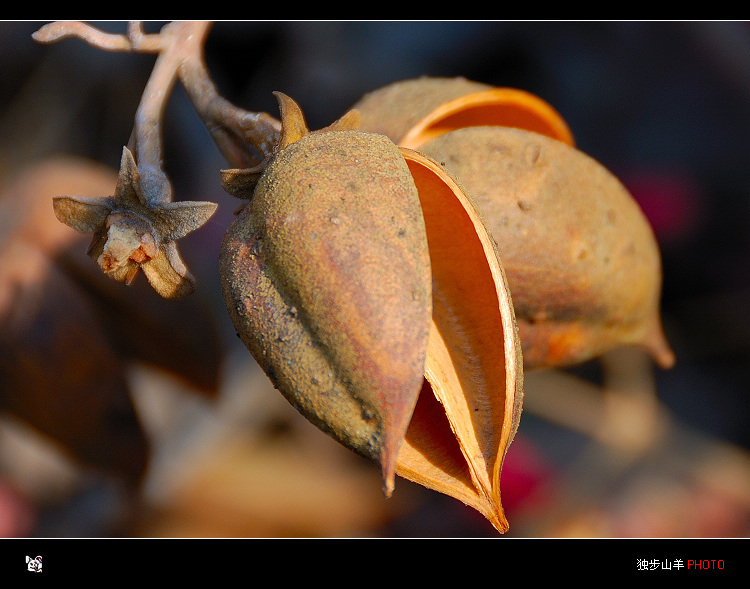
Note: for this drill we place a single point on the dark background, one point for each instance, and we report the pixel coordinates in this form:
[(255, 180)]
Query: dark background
[(663, 105)]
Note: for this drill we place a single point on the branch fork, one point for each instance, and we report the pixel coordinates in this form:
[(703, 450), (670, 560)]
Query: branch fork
[(138, 226)]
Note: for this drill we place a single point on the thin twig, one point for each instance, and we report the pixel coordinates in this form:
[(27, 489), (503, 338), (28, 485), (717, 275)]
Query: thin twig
[(244, 138), (135, 40), (147, 134), (233, 129)]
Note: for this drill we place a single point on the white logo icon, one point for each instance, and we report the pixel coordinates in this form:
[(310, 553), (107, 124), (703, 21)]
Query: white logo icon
[(34, 564)]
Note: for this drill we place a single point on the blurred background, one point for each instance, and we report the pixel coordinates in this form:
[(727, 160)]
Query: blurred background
[(613, 448)]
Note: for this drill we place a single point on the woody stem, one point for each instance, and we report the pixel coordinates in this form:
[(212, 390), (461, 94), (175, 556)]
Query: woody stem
[(146, 141), (244, 138)]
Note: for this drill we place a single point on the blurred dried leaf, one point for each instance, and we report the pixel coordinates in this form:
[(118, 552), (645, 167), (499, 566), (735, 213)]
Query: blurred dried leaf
[(67, 333)]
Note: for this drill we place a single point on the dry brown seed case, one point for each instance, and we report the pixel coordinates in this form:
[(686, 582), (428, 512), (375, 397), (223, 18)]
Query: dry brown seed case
[(582, 261), (326, 275), (365, 283)]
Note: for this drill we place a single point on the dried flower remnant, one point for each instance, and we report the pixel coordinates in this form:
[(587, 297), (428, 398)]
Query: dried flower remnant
[(133, 232), (137, 227)]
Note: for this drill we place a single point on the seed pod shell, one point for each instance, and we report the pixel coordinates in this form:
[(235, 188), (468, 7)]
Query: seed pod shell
[(393, 109), (326, 275), (470, 405), (581, 259), (412, 112)]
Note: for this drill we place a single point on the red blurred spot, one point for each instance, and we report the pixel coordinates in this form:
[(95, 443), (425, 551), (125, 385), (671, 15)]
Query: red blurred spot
[(525, 471), (671, 201), (17, 514)]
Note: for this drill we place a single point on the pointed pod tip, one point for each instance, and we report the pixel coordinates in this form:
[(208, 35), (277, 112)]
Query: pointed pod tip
[(393, 434), (389, 484), (658, 347), (389, 459), (127, 158), (664, 357), (501, 525), (348, 122)]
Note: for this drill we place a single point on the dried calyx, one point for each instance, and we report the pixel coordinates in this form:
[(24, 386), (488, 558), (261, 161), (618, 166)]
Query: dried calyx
[(133, 232)]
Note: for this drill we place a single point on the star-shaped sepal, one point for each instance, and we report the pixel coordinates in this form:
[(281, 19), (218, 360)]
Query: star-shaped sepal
[(134, 230)]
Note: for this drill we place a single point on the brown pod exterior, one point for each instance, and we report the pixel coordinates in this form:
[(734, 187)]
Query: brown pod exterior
[(326, 276), (394, 109), (412, 112), (581, 259)]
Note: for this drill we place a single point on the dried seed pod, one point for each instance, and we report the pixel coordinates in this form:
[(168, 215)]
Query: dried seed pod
[(394, 109), (412, 112), (365, 283), (326, 275), (581, 259)]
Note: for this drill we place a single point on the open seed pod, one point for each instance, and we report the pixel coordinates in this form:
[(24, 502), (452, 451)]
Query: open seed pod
[(581, 259), (364, 282), (411, 112), (569, 310)]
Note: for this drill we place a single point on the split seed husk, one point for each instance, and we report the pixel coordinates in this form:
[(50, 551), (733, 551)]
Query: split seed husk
[(366, 284), (470, 404), (394, 109)]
